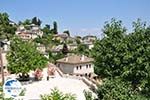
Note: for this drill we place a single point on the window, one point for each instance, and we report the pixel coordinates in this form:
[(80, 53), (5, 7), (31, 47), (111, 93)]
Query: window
[(89, 65), (80, 67), (86, 66), (86, 74), (77, 67)]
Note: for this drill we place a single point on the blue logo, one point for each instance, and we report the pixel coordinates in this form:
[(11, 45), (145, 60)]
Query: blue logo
[(12, 87)]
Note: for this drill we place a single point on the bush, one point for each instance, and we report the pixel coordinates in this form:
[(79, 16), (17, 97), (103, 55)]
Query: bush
[(57, 95), (88, 95)]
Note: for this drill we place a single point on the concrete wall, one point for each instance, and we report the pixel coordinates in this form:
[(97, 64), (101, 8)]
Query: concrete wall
[(66, 68)]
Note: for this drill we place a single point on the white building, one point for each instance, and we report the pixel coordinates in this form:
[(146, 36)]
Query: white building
[(89, 38), (41, 48), (72, 46), (76, 65), (89, 41), (32, 32), (89, 45)]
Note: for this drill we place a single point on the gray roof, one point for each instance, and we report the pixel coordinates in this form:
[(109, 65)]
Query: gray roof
[(75, 59)]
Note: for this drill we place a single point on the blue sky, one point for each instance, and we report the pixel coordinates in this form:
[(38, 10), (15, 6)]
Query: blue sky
[(81, 17)]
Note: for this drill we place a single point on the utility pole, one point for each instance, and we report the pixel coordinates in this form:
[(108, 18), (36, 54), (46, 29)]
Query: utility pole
[(2, 67)]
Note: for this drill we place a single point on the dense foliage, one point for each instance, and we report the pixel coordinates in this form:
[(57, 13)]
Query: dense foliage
[(36, 21), (117, 89), (65, 49), (23, 57), (55, 29), (125, 56), (7, 30), (88, 95), (108, 52)]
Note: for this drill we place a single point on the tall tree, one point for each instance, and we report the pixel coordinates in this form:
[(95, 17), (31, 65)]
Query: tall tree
[(108, 52), (36, 21), (65, 49), (55, 27), (125, 57), (39, 22), (137, 59), (23, 57)]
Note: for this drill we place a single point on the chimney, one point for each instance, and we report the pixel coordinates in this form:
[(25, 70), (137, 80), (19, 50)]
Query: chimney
[(82, 58)]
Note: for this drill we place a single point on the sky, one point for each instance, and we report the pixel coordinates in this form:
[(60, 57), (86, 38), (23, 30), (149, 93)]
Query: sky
[(80, 17)]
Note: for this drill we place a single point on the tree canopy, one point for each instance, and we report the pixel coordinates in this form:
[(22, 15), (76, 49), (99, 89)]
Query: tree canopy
[(23, 57), (6, 29), (118, 89), (36, 21), (67, 32), (124, 55), (55, 28)]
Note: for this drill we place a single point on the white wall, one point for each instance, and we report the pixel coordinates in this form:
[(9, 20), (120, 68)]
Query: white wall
[(71, 68), (91, 46), (83, 69), (5, 62)]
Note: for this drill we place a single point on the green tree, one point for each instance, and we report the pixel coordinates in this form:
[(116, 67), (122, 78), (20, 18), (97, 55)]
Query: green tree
[(81, 49), (136, 58), (55, 27), (124, 56), (23, 57), (118, 89), (67, 32), (88, 95), (45, 39), (78, 38), (36, 21), (108, 52), (58, 56), (26, 22), (57, 95), (46, 30), (6, 29), (65, 49)]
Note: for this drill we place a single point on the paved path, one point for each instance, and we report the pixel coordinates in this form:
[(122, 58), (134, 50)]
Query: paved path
[(66, 85)]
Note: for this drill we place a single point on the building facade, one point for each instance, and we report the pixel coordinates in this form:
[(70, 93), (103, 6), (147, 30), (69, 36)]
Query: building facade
[(76, 65)]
